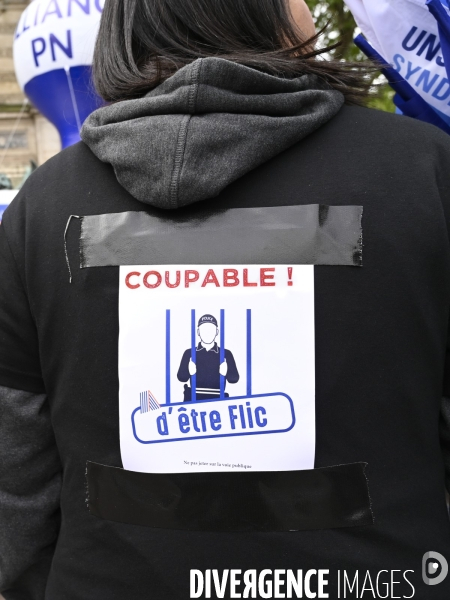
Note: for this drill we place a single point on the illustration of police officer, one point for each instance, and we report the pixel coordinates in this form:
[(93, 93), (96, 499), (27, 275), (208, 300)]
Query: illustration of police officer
[(207, 367)]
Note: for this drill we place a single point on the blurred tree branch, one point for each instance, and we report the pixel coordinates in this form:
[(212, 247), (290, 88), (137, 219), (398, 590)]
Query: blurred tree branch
[(342, 28)]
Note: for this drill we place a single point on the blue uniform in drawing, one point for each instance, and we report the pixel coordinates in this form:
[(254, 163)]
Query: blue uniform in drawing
[(207, 367)]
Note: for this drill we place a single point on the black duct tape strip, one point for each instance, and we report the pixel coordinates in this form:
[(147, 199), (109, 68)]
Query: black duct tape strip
[(240, 501), (312, 234)]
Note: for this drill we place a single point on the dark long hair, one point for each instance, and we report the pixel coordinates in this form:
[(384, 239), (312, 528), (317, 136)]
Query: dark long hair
[(143, 42)]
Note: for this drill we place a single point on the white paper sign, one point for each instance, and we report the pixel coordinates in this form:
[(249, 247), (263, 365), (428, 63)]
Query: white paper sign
[(217, 368), (406, 35)]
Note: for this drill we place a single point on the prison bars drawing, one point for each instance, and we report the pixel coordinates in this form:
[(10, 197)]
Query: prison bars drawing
[(222, 354)]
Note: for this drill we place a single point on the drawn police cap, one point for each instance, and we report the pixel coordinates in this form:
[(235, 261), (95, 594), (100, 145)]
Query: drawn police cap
[(207, 319)]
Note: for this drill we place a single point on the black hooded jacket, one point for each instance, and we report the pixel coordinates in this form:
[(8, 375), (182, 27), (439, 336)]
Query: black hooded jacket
[(219, 137)]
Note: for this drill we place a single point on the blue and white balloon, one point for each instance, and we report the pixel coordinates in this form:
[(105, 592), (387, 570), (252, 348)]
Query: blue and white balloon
[(53, 48)]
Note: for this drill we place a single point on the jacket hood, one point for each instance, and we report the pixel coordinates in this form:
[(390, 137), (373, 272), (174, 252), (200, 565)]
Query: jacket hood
[(210, 123)]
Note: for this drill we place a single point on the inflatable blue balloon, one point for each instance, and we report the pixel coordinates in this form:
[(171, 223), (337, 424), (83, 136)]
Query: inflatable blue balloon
[(53, 48)]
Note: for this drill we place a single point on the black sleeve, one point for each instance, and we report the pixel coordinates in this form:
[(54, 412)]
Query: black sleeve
[(183, 371), (444, 422), (30, 485), (30, 468), (232, 373), (444, 430), (443, 180), (19, 352)]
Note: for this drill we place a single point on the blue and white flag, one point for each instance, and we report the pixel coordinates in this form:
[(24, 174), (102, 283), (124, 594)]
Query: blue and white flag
[(406, 34), (441, 12)]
